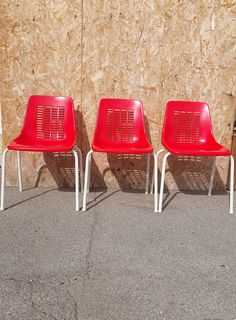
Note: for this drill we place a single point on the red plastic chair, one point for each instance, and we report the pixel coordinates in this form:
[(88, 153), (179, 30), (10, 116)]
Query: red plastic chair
[(187, 131), (49, 126), (120, 129)]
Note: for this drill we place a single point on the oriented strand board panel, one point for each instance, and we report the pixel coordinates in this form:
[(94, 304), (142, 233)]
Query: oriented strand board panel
[(122, 58), (40, 54), (0, 132), (148, 50), (158, 51)]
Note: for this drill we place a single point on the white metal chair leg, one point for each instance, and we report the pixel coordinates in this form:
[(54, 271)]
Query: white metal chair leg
[(213, 169), (155, 179), (19, 170), (162, 180), (81, 169), (231, 201), (155, 175), (147, 173), (152, 183), (89, 171), (87, 177), (3, 178), (76, 180)]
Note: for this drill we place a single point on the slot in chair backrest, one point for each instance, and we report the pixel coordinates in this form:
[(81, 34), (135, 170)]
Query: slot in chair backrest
[(187, 123), (49, 119), (119, 122)]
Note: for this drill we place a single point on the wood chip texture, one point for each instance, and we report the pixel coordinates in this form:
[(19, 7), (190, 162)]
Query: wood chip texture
[(150, 50)]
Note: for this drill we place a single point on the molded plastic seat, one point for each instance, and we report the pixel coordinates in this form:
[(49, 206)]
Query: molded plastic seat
[(36, 146), (187, 131), (215, 149), (120, 129), (49, 126)]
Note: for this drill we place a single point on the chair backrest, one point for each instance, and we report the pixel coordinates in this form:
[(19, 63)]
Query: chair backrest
[(119, 122), (187, 122), (49, 118)]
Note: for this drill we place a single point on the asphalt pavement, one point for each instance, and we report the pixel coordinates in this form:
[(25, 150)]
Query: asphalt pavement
[(118, 260)]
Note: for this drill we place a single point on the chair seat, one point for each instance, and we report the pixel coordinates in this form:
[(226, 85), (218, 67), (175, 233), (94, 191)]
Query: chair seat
[(213, 150), (187, 131), (47, 146), (125, 149)]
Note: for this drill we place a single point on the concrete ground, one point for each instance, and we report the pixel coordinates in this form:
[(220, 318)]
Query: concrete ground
[(118, 260)]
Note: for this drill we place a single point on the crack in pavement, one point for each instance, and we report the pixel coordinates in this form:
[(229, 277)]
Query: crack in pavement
[(90, 244), (38, 308), (75, 304)]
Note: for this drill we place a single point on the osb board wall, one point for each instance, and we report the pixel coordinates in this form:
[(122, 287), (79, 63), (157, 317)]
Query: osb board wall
[(0, 132), (148, 50), (40, 54)]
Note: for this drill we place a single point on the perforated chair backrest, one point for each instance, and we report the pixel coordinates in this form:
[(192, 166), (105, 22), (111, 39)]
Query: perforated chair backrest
[(119, 122), (187, 122), (49, 118)]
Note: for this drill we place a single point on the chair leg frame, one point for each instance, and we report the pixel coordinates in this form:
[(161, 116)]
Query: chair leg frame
[(78, 163), (89, 175), (147, 173), (163, 170), (154, 183), (88, 171), (76, 180), (213, 169), (80, 168), (78, 171), (85, 188), (87, 178), (231, 195), (4, 154), (19, 170)]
